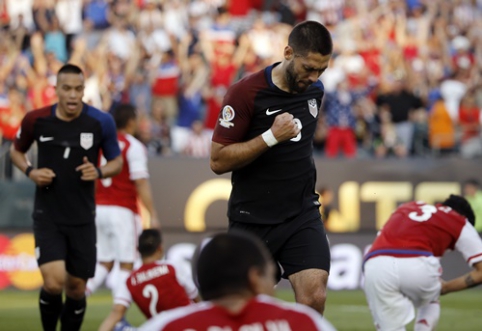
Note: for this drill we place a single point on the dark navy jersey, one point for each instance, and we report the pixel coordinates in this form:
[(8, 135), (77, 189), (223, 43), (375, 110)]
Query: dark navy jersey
[(280, 184), (62, 146)]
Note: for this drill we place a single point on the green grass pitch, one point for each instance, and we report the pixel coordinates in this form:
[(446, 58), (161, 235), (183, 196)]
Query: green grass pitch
[(346, 310)]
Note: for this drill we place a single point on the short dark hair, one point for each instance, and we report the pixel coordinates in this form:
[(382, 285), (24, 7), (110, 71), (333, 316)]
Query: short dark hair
[(461, 206), (123, 113), (70, 69), (310, 36), (149, 241), (472, 181), (222, 265)]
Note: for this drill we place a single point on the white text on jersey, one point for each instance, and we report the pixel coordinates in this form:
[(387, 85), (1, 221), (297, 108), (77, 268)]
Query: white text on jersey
[(147, 275)]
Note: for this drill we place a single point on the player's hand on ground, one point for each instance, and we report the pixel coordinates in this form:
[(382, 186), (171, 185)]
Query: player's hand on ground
[(285, 127), (89, 172), (42, 176)]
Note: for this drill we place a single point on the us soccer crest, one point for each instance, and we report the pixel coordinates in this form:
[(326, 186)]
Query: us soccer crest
[(227, 115), (86, 140), (313, 107)]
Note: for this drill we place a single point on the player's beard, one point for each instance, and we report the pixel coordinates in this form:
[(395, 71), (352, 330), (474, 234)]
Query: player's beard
[(292, 80)]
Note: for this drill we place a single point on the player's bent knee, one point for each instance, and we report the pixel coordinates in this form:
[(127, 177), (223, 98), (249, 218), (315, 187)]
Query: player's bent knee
[(315, 300), (53, 286), (75, 293), (75, 288)]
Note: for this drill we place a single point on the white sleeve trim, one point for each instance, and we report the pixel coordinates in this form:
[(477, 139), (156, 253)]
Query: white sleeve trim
[(137, 159), (321, 323), (123, 296), (469, 244), (158, 322)]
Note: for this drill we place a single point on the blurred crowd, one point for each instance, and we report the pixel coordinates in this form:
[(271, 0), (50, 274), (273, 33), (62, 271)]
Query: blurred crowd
[(404, 81)]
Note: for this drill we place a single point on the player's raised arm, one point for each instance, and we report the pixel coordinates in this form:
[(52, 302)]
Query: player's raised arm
[(225, 158)]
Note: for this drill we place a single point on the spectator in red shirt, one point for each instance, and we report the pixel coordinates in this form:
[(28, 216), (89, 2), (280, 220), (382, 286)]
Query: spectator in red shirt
[(11, 113), (469, 121)]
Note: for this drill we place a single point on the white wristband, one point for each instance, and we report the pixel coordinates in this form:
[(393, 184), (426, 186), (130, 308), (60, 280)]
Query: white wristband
[(269, 138)]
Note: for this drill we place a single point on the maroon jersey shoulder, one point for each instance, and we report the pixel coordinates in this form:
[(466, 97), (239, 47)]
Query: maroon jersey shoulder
[(238, 108), (25, 136)]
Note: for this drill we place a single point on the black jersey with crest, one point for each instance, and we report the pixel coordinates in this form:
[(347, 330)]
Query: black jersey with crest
[(62, 145), (280, 184)]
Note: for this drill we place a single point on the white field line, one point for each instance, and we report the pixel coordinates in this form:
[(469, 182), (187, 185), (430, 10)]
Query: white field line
[(334, 308)]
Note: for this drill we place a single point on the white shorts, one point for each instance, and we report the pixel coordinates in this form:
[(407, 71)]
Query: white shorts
[(118, 230), (394, 286)]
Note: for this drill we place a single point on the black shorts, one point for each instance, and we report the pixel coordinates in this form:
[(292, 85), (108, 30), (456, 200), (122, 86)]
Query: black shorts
[(74, 244), (295, 245)]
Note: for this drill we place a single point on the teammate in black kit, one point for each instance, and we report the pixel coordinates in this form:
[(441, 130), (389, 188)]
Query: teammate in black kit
[(264, 136), (69, 136)]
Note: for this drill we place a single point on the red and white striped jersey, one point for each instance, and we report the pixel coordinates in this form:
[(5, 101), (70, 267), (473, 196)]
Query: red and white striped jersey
[(260, 313), (417, 229), (121, 190), (157, 287)]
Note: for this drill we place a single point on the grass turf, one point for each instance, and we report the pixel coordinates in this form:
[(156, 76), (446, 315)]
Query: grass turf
[(346, 310)]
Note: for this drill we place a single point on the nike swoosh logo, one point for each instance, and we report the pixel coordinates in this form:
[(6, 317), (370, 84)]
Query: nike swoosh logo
[(43, 302), (272, 112), (44, 139), (80, 311)]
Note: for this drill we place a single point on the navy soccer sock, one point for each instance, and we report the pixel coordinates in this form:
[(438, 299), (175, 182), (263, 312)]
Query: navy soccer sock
[(50, 309)]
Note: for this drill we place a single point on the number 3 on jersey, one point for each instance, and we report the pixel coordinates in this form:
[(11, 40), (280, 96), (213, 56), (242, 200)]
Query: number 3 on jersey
[(300, 126), (426, 212)]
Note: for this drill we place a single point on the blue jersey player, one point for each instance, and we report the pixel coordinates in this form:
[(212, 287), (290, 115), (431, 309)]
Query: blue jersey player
[(69, 136), (264, 136)]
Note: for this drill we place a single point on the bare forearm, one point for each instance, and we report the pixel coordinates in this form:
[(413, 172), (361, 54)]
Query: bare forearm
[(112, 167), (19, 159), (145, 195), (110, 321), (231, 157), (466, 281)]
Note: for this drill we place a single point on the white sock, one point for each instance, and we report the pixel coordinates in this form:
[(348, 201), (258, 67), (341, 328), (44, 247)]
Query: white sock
[(99, 277), (427, 317), (122, 276)]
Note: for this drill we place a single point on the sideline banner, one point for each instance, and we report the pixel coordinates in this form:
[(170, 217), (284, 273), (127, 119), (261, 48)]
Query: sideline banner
[(190, 197), (191, 202), (18, 267)]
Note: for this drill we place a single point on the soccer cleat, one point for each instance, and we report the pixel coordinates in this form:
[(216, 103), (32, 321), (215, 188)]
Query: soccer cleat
[(123, 325)]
